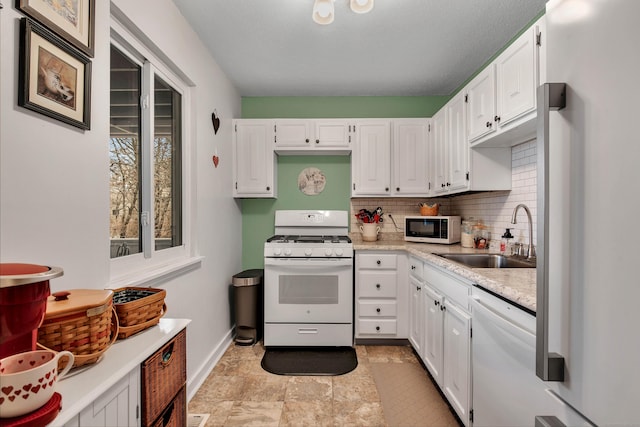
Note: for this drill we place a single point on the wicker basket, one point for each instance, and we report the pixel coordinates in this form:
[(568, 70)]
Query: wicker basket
[(429, 210), (138, 309), (164, 374), (81, 321)]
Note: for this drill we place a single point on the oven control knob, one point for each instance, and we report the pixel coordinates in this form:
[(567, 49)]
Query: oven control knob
[(308, 252), (339, 252), (328, 252), (277, 251), (287, 251)]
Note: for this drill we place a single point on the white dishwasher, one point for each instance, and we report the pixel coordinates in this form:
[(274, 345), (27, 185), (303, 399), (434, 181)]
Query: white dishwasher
[(506, 390)]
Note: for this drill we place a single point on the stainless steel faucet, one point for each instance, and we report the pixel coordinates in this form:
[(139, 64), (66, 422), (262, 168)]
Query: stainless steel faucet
[(531, 254)]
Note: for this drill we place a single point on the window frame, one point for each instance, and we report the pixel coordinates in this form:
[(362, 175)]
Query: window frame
[(151, 264)]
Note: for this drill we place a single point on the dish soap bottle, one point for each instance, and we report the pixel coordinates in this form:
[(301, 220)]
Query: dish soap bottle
[(504, 243)]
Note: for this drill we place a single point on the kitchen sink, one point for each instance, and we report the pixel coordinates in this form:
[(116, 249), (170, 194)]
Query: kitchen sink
[(489, 260)]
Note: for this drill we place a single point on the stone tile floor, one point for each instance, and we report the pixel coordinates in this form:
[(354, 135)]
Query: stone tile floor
[(238, 392)]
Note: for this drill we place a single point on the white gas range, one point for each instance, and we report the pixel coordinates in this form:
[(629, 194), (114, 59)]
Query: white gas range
[(308, 280)]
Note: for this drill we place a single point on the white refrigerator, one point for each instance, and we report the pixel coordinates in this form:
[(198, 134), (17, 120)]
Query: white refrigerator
[(588, 312)]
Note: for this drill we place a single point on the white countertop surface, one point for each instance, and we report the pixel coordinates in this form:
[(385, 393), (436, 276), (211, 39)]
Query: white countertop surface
[(85, 384), (515, 284)]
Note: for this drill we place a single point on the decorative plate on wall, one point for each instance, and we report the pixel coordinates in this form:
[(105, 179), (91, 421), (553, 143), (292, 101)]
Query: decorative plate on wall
[(311, 181)]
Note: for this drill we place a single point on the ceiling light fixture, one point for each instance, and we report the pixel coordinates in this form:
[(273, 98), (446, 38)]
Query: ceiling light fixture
[(324, 10), (361, 6)]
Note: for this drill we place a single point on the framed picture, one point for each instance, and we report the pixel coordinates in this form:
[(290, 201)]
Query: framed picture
[(55, 79), (73, 20)]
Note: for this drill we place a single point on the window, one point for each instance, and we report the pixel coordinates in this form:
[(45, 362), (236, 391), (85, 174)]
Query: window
[(147, 154)]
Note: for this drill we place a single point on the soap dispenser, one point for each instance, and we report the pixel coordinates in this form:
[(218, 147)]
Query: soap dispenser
[(504, 243)]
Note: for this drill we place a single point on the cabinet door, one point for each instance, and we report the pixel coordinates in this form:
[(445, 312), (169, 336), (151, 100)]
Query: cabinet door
[(458, 143), (432, 345), (416, 317), (516, 71), (117, 406), (370, 161), (481, 105), (254, 162), (333, 133), (440, 152), (457, 356), (293, 133), (410, 162)]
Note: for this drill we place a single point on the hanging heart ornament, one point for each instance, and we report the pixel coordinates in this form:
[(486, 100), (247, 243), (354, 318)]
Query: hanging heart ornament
[(216, 160), (216, 122)]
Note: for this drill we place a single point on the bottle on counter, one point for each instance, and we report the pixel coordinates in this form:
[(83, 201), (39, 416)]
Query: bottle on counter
[(505, 244)]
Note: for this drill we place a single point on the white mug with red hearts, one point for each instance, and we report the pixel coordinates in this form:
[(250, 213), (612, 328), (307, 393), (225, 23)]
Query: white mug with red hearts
[(28, 380)]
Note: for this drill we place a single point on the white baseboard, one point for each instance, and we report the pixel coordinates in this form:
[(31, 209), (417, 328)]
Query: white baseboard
[(201, 374)]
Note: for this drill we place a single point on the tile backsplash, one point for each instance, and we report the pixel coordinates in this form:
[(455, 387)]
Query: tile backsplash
[(493, 208)]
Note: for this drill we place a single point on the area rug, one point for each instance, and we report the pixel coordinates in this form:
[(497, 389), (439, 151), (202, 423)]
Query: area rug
[(309, 360), (409, 397)]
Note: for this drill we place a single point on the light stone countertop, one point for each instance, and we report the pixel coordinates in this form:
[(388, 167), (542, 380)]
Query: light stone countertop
[(515, 284)]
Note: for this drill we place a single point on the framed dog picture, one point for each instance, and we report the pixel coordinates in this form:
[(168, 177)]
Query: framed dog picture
[(55, 79), (73, 20)]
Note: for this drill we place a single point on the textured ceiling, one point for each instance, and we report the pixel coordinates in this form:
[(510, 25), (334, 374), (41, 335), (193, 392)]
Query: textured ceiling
[(401, 48)]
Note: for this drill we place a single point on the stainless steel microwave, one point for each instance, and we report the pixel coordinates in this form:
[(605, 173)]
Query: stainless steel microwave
[(432, 229)]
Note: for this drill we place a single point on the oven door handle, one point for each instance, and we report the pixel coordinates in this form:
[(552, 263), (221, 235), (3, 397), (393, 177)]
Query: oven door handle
[(309, 262)]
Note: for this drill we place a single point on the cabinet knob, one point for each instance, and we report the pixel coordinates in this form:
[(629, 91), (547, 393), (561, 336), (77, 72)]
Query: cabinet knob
[(413, 267), (443, 308), (488, 124), (377, 285), (306, 140), (496, 118), (377, 328), (317, 141), (448, 184), (378, 262), (268, 188), (397, 188), (378, 310), (418, 288), (442, 185), (386, 188), (435, 303)]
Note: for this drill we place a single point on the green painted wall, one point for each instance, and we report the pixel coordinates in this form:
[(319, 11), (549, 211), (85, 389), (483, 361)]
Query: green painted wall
[(258, 214), (320, 107)]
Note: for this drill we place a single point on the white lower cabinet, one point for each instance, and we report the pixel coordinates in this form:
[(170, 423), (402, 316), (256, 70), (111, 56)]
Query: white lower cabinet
[(117, 407), (445, 345), (380, 294)]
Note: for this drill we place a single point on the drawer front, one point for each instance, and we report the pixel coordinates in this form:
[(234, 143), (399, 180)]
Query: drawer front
[(318, 334), (163, 375), (416, 268), (378, 261), (377, 308), (454, 290), (175, 414), (377, 284), (377, 326)]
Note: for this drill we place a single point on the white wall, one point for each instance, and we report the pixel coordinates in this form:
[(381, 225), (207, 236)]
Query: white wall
[(54, 178)]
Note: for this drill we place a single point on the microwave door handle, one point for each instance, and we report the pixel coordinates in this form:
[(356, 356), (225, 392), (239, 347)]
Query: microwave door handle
[(549, 366)]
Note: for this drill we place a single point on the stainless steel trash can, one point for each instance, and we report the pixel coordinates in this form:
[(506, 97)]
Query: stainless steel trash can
[(248, 300)]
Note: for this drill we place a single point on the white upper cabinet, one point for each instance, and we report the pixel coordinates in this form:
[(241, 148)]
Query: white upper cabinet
[(517, 79), (254, 163), (370, 160), (440, 152), (300, 136), (481, 99), (456, 136), (411, 162), (502, 98)]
